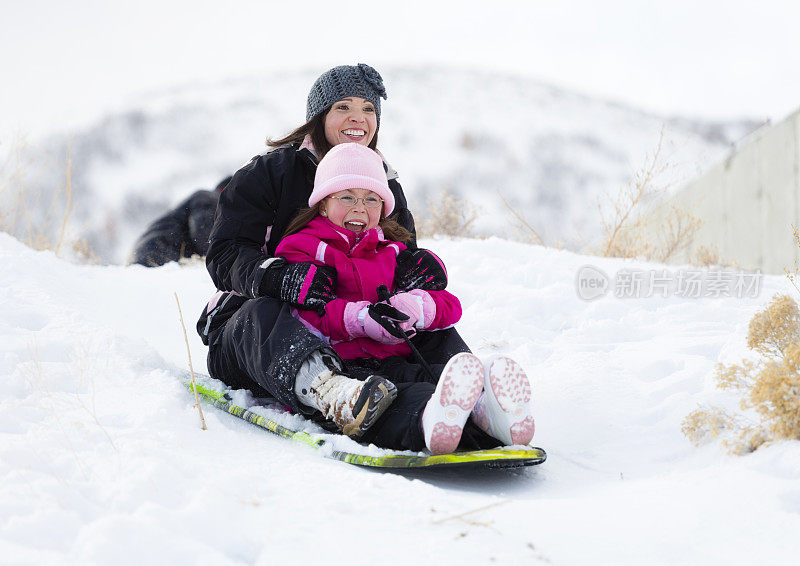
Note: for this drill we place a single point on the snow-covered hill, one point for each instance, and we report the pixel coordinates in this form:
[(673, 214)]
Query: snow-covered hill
[(102, 460), (551, 153)]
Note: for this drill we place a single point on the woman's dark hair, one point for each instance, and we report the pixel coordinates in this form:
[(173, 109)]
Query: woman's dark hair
[(391, 229), (316, 129)]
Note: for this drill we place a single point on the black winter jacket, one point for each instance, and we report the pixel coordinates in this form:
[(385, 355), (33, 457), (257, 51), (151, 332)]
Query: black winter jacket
[(253, 213), (181, 232)]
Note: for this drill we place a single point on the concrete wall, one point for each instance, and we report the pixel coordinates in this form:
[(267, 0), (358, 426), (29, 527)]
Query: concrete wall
[(749, 202)]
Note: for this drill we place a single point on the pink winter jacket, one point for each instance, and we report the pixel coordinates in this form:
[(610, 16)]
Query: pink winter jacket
[(362, 263)]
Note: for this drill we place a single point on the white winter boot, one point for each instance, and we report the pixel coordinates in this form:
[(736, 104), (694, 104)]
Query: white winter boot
[(448, 409), (504, 409), (352, 405)]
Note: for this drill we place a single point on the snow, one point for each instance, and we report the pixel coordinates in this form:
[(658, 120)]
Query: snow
[(102, 460)]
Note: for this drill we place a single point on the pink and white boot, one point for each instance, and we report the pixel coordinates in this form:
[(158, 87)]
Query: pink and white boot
[(447, 411), (504, 409)]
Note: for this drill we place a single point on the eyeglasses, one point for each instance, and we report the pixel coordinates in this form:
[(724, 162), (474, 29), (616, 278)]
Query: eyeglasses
[(350, 201)]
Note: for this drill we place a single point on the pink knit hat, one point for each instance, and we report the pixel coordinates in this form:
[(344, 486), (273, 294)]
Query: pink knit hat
[(351, 166)]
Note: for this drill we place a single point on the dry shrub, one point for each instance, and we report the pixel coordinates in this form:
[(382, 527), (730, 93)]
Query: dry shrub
[(38, 220), (769, 385), (82, 250), (706, 256), (709, 256), (637, 239), (794, 273), (676, 233), (632, 230), (448, 215), (773, 330), (706, 423)]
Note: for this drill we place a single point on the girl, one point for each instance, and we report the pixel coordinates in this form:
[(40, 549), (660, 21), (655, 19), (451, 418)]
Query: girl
[(347, 228)]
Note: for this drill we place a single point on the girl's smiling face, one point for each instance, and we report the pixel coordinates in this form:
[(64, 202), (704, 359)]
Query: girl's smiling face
[(357, 218), (351, 119)]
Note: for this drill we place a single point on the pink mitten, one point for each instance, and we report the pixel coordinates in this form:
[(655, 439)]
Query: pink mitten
[(418, 305), (352, 324), (359, 324)]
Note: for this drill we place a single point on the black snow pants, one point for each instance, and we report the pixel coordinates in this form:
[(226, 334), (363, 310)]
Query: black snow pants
[(262, 346)]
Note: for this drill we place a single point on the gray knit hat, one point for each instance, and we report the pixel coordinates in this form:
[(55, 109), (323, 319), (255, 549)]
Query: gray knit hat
[(347, 80)]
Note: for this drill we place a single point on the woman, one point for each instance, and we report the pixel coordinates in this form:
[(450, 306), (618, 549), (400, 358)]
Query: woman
[(254, 342)]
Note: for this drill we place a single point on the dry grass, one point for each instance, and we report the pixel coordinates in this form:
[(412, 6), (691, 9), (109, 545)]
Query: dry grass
[(448, 215), (38, 218), (192, 260), (769, 385), (191, 367), (525, 232), (631, 229), (709, 256), (794, 274)]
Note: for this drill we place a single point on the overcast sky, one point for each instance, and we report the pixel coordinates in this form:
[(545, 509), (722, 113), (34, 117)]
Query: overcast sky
[(63, 62)]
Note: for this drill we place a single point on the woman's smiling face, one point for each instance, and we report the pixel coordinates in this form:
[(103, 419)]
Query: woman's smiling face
[(351, 119)]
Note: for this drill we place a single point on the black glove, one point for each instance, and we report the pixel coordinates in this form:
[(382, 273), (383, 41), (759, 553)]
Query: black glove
[(419, 269), (304, 285), (388, 317)]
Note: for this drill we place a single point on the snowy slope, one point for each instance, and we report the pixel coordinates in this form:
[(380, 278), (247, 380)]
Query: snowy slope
[(550, 152), (102, 460)]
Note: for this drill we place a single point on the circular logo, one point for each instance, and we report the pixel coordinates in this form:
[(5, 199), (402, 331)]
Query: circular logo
[(591, 283)]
